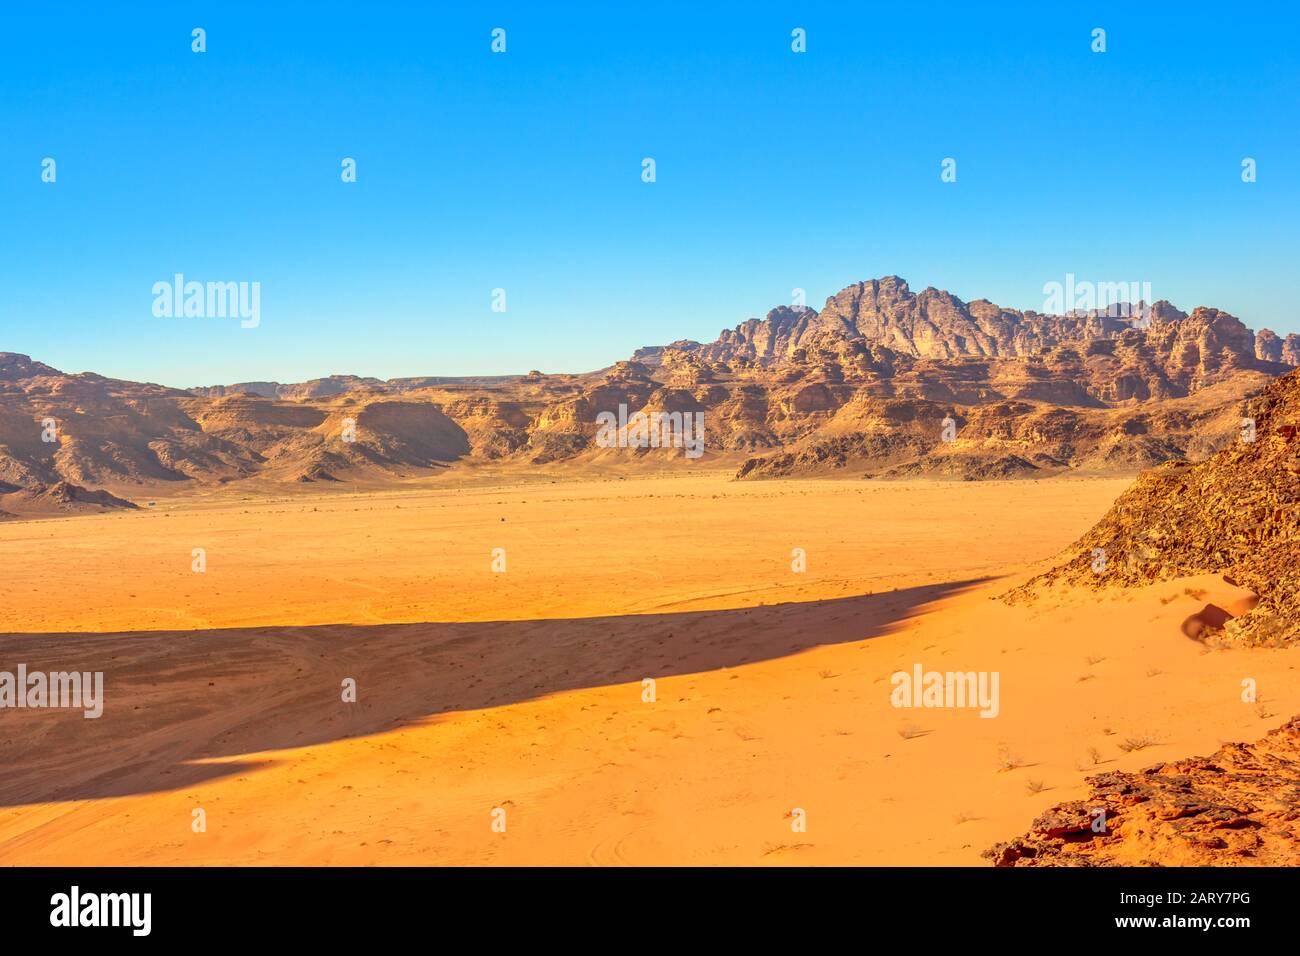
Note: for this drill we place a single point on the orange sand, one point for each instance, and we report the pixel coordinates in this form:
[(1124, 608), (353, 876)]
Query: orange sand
[(523, 690)]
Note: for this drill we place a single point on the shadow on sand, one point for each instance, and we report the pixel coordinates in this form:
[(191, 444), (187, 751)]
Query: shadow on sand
[(173, 698)]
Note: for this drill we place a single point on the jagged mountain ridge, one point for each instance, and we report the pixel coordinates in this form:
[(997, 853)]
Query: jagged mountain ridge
[(338, 384), (866, 383), (934, 324)]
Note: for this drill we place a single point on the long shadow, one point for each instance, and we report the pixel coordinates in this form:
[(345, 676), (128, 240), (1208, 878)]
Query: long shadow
[(173, 698)]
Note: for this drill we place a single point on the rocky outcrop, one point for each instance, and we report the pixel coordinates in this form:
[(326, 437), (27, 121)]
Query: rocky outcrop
[(884, 314), (62, 497), (879, 339), (1199, 349), (315, 388), (1291, 349), (1268, 347), (1240, 806), (1237, 514), (15, 367)]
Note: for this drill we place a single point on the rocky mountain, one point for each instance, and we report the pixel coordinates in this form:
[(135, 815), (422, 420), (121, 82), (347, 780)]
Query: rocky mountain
[(1237, 514), (1270, 348), (882, 382), (1236, 807), (881, 326), (17, 368), (335, 385), (884, 312), (58, 498)]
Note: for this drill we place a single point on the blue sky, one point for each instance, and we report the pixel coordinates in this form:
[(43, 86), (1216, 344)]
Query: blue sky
[(522, 171)]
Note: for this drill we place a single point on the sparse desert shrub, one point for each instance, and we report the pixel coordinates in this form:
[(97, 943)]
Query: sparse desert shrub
[(1007, 760)]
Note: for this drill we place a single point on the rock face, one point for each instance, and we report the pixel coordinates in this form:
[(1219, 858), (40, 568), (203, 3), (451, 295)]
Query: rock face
[(15, 367), (999, 374), (1238, 514), (62, 497), (884, 318), (316, 388), (884, 312), (1270, 348), (882, 382), (1238, 807), (333, 385)]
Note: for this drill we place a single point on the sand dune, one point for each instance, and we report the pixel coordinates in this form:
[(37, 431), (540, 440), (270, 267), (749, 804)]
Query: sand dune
[(523, 690)]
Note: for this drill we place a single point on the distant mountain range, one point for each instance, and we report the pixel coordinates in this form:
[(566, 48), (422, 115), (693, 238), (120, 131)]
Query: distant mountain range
[(882, 382)]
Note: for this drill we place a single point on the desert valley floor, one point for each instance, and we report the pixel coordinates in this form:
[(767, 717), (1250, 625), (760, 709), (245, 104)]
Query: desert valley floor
[(523, 690)]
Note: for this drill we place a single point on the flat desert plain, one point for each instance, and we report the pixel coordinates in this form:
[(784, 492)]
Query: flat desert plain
[(486, 695)]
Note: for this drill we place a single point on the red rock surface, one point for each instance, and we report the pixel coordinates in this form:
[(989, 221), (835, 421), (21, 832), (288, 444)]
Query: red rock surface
[(1240, 806)]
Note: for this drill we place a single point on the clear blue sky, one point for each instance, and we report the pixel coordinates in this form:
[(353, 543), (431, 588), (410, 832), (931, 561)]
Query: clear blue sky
[(775, 170)]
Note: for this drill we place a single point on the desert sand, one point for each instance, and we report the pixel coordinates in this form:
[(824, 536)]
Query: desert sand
[(523, 690)]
